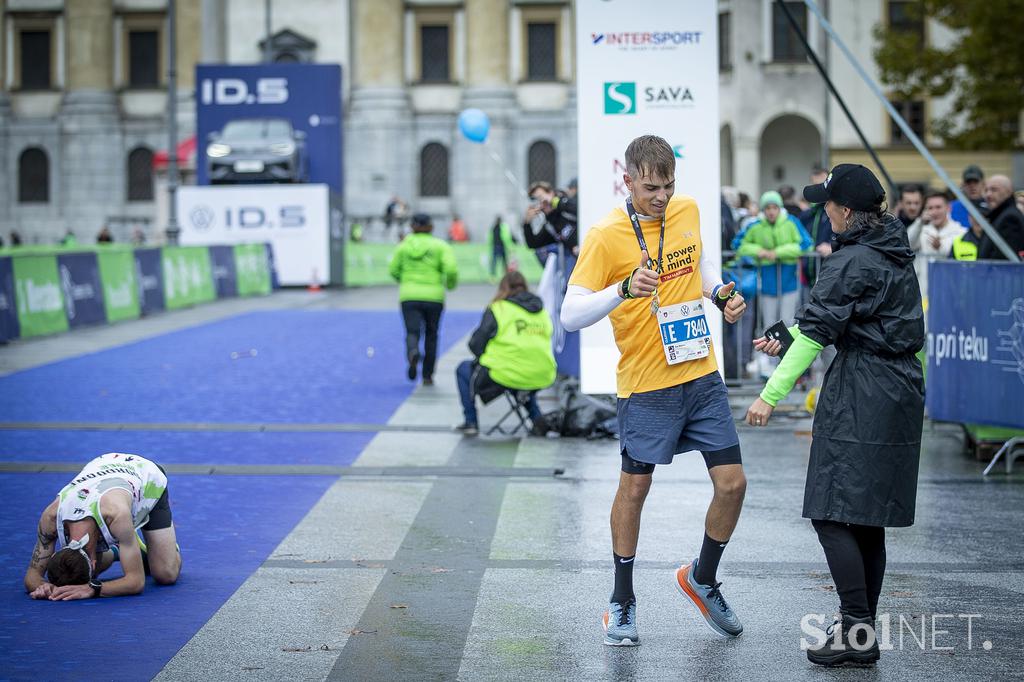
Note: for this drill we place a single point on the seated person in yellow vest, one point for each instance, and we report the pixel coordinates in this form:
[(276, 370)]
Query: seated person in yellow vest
[(512, 346), (424, 266), (95, 519)]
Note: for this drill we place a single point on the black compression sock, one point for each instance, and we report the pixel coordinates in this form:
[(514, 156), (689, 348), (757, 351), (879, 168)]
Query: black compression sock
[(707, 564), (623, 578)]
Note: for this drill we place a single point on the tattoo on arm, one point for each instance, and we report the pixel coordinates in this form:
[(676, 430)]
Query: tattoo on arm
[(43, 549)]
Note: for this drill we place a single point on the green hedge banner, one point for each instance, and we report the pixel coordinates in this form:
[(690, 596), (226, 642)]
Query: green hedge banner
[(120, 288), (39, 296), (187, 276), (366, 264), (252, 268)]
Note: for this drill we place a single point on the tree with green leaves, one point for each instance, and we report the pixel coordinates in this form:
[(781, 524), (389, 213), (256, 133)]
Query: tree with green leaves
[(982, 68)]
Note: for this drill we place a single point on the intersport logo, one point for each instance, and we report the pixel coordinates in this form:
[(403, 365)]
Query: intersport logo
[(646, 40)]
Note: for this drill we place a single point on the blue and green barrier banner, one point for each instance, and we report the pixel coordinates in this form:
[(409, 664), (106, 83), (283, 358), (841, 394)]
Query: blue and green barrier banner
[(976, 342), (8, 311), (149, 278), (47, 289), (222, 265), (366, 263), (120, 291), (38, 295), (253, 268), (188, 279), (83, 293)]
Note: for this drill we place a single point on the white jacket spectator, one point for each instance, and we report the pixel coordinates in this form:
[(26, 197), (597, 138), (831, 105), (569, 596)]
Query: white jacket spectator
[(932, 235)]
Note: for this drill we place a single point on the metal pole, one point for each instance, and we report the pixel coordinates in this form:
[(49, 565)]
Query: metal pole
[(266, 43), (835, 93), (914, 139), (172, 230), (826, 147)]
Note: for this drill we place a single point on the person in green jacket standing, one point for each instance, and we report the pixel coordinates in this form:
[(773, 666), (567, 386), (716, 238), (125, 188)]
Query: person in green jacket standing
[(500, 241), (424, 266), (775, 242)]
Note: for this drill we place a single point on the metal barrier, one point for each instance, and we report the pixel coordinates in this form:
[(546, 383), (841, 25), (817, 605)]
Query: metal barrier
[(750, 281)]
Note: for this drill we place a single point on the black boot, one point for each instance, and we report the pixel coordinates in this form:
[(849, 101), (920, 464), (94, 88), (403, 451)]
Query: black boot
[(843, 649)]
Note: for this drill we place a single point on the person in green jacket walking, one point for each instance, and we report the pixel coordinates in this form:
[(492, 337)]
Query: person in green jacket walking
[(424, 267)]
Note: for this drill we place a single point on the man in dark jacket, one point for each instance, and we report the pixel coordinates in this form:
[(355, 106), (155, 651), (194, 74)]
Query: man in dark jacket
[(551, 219), (1005, 217), (866, 438), (512, 351)]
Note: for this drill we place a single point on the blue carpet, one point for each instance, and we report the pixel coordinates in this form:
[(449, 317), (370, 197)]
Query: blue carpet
[(226, 525), (184, 447), (310, 366)]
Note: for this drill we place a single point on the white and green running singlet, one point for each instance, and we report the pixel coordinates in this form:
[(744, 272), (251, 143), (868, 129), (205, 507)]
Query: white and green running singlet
[(80, 498)]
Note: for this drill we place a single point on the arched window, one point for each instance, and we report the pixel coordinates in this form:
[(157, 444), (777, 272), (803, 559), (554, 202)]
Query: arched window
[(434, 170), (541, 162), (140, 174), (33, 176)]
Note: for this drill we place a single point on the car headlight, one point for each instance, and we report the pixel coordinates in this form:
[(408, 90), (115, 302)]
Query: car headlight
[(217, 150), (282, 148)]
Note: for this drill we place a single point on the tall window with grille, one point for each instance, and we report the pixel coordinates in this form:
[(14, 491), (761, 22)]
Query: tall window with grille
[(34, 49), (434, 170), (143, 59), (140, 174), (786, 45), (33, 176), (541, 162), (913, 112), (541, 51), (435, 60)]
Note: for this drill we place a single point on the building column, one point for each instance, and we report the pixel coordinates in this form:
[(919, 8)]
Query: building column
[(91, 163), (488, 89), (378, 132)]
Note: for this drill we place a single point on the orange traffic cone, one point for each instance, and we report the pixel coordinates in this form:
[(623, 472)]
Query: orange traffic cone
[(314, 283)]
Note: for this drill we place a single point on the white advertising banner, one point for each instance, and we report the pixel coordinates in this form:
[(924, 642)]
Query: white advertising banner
[(645, 67), (292, 218)]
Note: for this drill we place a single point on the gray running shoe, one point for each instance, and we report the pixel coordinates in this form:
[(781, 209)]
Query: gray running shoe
[(619, 624), (709, 602)]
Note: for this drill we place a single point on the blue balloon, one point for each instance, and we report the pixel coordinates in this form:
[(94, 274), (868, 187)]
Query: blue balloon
[(474, 124)]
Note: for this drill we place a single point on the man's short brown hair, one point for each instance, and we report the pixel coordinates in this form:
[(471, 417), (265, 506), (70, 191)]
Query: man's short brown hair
[(68, 567), (650, 155), (937, 194)]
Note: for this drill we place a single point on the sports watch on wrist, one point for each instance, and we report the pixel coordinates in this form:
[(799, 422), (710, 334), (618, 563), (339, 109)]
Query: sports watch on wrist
[(97, 587)]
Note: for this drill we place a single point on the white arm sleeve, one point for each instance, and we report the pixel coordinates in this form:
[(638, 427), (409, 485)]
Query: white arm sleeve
[(710, 273), (583, 307)]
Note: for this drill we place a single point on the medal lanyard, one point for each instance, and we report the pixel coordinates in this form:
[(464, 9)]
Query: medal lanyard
[(640, 235)]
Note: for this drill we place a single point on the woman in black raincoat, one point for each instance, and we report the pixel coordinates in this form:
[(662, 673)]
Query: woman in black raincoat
[(862, 473)]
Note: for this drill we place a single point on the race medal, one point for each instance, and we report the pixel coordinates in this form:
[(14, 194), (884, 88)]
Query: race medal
[(685, 335)]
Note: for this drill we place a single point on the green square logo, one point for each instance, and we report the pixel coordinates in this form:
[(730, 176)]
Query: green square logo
[(620, 98)]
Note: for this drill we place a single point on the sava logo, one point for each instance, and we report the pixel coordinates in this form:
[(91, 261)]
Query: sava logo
[(620, 98), (669, 96)]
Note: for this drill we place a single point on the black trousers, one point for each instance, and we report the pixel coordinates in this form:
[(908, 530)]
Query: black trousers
[(856, 559), (422, 317)]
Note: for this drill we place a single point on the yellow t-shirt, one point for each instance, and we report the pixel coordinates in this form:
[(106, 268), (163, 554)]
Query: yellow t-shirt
[(610, 253)]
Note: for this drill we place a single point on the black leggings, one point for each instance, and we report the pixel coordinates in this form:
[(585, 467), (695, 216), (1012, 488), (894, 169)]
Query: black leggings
[(856, 559), (422, 317)]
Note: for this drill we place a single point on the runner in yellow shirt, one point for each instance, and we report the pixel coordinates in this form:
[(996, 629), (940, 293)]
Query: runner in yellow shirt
[(671, 397)]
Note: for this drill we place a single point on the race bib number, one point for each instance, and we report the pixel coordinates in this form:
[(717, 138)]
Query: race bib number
[(684, 332)]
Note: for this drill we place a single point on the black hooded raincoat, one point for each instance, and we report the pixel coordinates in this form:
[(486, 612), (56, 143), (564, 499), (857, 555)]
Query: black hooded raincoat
[(867, 426)]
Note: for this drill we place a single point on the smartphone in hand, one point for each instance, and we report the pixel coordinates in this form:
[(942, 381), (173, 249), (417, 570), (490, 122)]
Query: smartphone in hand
[(779, 332)]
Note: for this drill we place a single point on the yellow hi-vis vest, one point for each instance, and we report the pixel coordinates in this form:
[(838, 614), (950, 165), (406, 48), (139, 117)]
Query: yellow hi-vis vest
[(519, 356), (963, 249)]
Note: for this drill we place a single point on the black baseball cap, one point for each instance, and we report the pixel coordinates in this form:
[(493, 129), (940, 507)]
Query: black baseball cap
[(850, 185), (973, 172), (421, 220)]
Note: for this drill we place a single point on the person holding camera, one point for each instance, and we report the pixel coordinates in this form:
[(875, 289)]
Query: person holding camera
[(550, 219)]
